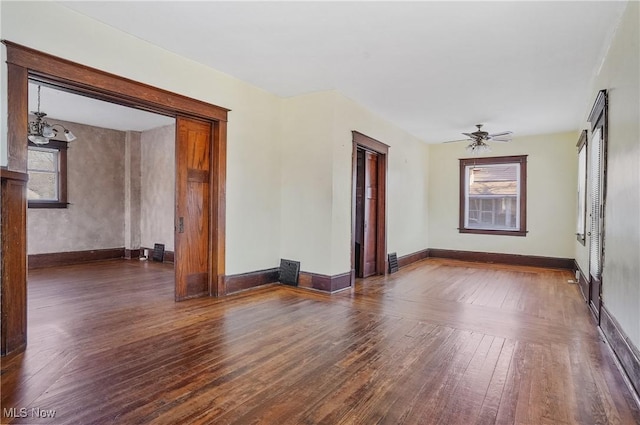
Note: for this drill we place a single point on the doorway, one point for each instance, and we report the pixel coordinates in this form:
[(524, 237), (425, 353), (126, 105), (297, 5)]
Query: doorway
[(24, 64), (368, 245)]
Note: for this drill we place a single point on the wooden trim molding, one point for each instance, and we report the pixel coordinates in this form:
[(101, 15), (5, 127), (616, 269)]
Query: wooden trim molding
[(6, 174), (599, 107), (405, 260), (243, 281), (92, 82), (13, 261), (132, 254), (38, 261), (370, 143), (512, 259), (360, 140), (465, 162), (583, 283), (625, 351), (323, 282)]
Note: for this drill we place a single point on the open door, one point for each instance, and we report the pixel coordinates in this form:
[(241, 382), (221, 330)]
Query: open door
[(370, 215), (369, 246), (193, 174), (366, 234)]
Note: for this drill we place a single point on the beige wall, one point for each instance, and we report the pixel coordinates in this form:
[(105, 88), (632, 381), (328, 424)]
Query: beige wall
[(551, 197), (317, 180), (620, 75), (94, 219), (306, 182), (407, 206), (157, 188)]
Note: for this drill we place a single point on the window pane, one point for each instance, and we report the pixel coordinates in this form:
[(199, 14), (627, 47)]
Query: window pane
[(42, 160), (582, 193), (493, 196), (42, 186)]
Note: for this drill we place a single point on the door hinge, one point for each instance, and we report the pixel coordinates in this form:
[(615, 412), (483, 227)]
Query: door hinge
[(181, 225)]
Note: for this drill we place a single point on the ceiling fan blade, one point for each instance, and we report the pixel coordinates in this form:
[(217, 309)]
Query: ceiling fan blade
[(456, 141), (504, 133), (468, 134), (502, 139)]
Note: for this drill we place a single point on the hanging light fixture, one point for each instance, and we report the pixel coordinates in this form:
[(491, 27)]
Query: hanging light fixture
[(40, 131), (477, 147)]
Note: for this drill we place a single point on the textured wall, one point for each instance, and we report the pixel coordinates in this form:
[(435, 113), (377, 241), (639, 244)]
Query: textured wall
[(132, 194), (157, 165), (95, 184)]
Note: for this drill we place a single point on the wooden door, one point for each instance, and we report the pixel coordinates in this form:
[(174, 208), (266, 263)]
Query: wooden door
[(192, 234), (359, 213), (370, 199)]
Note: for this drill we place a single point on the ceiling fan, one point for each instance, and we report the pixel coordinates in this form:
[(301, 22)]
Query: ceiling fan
[(478, 139)]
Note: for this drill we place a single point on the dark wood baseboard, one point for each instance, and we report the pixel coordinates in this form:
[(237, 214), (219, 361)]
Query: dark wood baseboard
[(511, 259), (627, 354), (37, 261), (132, 254), (583, 283), (405, 260), (323, 282), (240, 282), (168, 257)]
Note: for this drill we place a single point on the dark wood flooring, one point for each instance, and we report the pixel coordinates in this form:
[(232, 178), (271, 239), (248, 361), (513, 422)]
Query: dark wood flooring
[(440, 342)]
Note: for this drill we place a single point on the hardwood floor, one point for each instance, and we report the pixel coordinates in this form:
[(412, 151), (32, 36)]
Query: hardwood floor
[(440, 342)]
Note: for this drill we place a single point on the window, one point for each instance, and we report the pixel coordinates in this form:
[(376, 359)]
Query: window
[(47, 168), (581, 222), (493, 195)]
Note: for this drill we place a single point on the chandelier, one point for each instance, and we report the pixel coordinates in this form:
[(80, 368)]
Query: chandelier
[(478, 146), (40, 131)]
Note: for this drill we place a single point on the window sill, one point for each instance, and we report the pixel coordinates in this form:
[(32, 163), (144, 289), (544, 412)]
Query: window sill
[(494, 232), (47, 204)]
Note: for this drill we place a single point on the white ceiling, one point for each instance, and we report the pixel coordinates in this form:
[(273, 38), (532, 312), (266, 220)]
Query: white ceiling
[(70, 107), (433, 68)]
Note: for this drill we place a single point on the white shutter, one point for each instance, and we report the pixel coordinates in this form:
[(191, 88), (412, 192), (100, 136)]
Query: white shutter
[(595, 267)]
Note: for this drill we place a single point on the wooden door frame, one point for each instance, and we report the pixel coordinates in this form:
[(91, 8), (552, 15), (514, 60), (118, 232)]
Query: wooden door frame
[(24, 64), (361, 141)]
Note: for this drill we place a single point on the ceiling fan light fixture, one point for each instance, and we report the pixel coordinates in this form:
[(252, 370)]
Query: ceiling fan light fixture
[(478, 147), (40, 131), (48, 131), (69, 135), (38, 139)]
